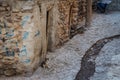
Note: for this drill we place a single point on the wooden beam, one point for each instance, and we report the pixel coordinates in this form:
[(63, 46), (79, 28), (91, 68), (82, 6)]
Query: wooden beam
[(89, 12)]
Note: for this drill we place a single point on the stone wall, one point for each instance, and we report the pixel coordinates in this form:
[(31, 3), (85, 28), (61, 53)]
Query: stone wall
[(19, 37), (63, 22), (72, 13), (28, 29)]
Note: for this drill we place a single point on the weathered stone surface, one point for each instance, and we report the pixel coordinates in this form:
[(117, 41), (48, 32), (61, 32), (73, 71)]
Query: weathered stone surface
[(2, 9), (8, 60), (1, 65), (1, 56), (4, 4), (72, 13), (8, 8), (1, 71), (29, 28), (9, 72)]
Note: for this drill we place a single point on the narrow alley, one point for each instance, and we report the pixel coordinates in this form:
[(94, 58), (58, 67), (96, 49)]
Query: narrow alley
[(65, 63)]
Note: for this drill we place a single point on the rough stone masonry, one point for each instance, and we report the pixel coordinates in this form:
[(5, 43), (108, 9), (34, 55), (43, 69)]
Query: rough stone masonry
[(30, 28)]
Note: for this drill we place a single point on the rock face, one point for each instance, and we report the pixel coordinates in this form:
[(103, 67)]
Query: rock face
[(29, 28)]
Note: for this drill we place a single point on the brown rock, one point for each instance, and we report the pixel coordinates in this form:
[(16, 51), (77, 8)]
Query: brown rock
[(1, 42), (1, 65), (27, 8), (8, 8), (8, 58), (15, 11), (9, 72), (3, 31), (1, 56), (2, 9), (4, 4), (2, 51), (6, 62)]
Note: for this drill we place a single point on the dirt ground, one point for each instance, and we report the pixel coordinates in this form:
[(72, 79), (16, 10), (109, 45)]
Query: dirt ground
[(89, 64), (108, 62), (64, 63)]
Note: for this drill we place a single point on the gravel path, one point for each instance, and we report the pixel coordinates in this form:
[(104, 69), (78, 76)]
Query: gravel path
[(65, 62)]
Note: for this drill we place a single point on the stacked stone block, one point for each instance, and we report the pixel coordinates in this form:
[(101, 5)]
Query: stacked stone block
[(23, 31), (18, 36), (71, 14)]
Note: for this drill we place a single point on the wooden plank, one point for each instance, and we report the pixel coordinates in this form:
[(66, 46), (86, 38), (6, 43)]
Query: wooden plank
[(89, 12)]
